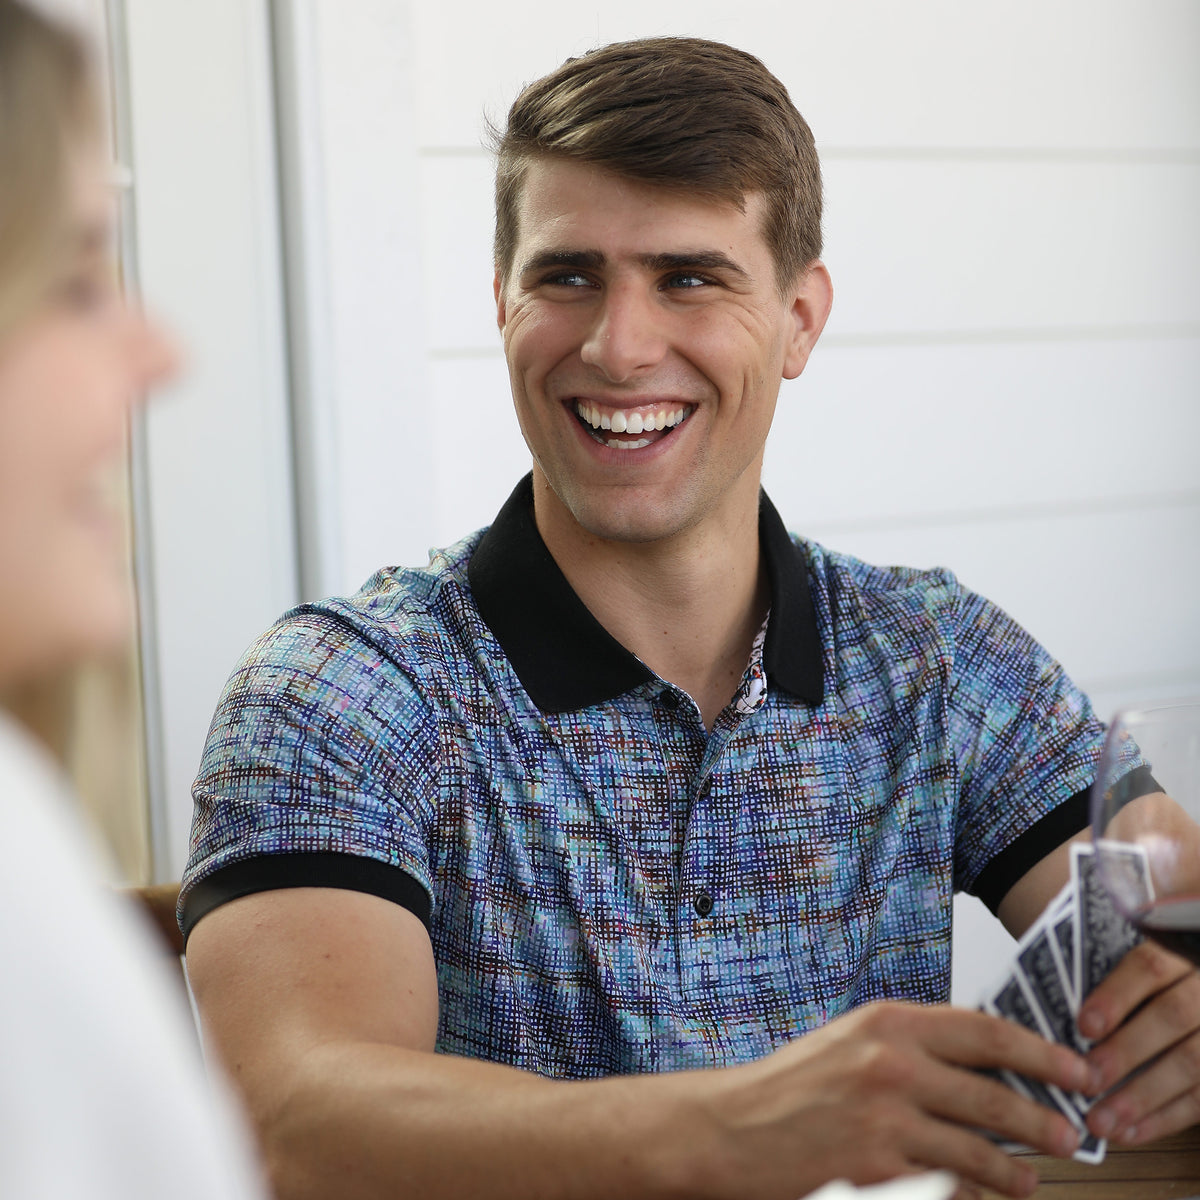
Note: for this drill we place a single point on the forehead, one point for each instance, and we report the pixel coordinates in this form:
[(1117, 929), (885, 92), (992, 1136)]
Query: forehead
[(579, 206)]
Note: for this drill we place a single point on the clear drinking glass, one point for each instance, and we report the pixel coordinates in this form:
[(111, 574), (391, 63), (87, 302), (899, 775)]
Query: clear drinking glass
[(1146, 822)]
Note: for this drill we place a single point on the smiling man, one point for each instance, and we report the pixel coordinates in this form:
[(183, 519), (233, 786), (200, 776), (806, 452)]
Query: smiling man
[(601, 856)]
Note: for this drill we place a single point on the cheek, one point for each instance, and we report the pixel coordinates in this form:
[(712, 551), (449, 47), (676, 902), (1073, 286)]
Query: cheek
[(537, 336), (35, 439), (63, 408), (62, 425), (85, 404)]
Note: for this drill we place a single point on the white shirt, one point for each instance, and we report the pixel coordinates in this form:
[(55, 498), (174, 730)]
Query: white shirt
[(103, 1095)]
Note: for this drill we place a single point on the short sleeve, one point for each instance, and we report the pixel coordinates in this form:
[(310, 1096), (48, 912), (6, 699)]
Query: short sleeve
[(319, 769), (1026, 743)]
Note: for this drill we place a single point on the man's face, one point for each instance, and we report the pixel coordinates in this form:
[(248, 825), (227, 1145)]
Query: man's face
[(646, 338)]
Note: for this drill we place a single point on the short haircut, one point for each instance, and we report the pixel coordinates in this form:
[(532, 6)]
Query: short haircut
[(691, 115)]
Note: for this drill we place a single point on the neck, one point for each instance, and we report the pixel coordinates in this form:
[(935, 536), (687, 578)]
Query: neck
[(688, 606)]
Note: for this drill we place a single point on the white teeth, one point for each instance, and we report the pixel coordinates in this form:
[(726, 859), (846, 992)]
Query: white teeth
[(630, 422)]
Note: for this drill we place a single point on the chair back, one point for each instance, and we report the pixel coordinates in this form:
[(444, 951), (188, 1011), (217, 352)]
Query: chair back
[(158, 902)]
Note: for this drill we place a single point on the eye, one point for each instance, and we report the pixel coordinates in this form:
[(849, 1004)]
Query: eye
[(568, 279), (687, 280), (88, 290), (82, 292)]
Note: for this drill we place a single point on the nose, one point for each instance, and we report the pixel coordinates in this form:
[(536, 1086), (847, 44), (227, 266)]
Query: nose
[(627, 335), (153, 355)]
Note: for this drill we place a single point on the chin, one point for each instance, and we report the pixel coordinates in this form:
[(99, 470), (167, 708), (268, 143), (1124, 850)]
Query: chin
[(630, 521), (100, 625)]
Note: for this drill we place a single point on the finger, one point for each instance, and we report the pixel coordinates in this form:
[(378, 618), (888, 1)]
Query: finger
[(1168, 1018), (978, 1102), (976, 1039), (1145, 971), (1182, 1113), (1174, 1075), (945, 1146)]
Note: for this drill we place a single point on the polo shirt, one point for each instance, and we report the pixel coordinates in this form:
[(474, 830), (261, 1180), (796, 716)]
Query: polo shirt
[(608, 885)]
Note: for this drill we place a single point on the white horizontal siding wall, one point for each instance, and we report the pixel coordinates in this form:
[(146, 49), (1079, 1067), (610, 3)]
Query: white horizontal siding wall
[(217, 542), (1010, 381)]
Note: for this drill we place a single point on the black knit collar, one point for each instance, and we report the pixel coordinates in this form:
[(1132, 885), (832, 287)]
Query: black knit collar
[(567, 660)]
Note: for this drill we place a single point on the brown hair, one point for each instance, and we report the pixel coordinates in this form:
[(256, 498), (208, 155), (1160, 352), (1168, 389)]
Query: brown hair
[(680, 113), (46, 101)]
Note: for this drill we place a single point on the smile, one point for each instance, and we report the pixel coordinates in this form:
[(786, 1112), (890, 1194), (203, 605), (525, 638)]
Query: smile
[(629, 424)]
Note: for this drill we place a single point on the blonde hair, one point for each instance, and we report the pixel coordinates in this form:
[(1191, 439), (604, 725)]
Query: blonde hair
[(47, 102)]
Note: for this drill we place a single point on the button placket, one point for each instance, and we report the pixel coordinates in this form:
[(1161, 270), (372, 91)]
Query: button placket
[(698, 864)]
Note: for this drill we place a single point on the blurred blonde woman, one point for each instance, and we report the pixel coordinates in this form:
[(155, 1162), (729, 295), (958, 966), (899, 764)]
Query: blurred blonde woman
[(101, 1090)]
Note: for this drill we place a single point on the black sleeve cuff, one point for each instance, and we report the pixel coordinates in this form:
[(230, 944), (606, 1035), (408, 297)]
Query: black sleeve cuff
[(269, 872), (1057, 826)]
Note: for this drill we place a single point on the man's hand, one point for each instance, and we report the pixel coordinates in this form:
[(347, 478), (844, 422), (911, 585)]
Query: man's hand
[(1148, 1009), (886, 1091), (324, 1005)]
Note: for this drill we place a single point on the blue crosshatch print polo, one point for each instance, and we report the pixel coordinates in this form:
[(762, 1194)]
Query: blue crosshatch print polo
[(608, 887)]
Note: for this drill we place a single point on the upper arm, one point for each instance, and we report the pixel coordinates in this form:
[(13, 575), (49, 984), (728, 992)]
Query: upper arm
[(320, 763), (1149, 818), (1026, 743), (1024, 902), (279, 973)]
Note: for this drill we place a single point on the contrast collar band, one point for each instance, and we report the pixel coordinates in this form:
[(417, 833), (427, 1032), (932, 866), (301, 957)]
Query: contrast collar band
[(566, 659)]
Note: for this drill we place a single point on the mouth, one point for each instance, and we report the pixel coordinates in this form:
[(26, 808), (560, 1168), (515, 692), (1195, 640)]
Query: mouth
[(630, 428)]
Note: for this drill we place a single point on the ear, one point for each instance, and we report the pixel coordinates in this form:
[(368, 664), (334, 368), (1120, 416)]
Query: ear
[(812, 298), (501, 306)]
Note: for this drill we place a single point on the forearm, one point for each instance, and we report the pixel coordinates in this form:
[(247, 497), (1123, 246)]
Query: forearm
[(363, 1121)]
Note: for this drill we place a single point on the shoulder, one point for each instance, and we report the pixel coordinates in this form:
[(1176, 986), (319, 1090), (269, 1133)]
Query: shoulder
[(116, 1064), (403, 620), (355, 688), (916, 618), (895, 600)]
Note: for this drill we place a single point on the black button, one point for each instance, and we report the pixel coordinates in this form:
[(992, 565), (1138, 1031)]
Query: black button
[(704, 904), (669, 699)]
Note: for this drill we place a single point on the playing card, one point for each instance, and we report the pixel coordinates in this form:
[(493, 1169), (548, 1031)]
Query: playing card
[(1063, 902), (1091, 1149), (1013, 1004), (1063, 929), (1044, 974), (1102, 936), (1129, 874)]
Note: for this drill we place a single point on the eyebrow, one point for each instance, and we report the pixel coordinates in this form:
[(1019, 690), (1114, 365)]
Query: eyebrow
[(594, 260), (696, 260)]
